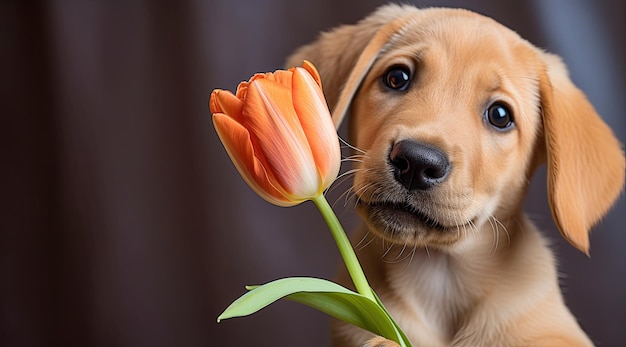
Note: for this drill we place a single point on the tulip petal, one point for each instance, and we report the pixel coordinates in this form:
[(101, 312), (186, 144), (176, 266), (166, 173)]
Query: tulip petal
[(316, 121), (283, 78), (280, 77), (272, 120), (308, 66), (237, 142), (242, 90), (223, 101)]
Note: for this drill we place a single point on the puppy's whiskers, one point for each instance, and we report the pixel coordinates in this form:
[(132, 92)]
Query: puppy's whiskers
[(360, 192), (473, 228), (458, 227), (413, 251), (349, 193), (387, 251), (494, 229), (497, 226), (358, 158), (352, 147), (503, 227), (401, 251), (400, 257), (345, 175), (363, 243)]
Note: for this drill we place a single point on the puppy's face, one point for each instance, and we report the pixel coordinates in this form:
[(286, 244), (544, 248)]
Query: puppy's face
[(448, 116)]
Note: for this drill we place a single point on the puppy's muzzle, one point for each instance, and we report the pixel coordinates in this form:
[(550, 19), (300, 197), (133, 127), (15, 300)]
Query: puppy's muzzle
[(418, 166)]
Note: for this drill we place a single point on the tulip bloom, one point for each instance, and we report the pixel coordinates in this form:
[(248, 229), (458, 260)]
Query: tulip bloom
[(278, 132)]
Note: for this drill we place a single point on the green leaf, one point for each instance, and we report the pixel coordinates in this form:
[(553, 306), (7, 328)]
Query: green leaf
[(405, 340), (260, 296), (323, 295)]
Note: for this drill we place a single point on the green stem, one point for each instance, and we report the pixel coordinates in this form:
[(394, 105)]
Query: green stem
[(345, 248)]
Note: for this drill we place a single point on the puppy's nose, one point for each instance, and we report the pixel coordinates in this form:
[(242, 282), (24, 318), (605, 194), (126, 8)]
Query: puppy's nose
[(417, 166)]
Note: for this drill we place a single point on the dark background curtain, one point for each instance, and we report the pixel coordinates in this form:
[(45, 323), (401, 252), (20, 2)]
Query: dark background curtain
[(123, 222)]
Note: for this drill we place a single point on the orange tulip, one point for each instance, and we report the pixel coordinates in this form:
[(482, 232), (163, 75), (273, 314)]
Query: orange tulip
[(278, 132)]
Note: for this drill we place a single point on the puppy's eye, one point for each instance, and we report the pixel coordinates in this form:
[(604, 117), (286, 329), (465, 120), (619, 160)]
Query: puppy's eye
[(499, 116), (397, 78)]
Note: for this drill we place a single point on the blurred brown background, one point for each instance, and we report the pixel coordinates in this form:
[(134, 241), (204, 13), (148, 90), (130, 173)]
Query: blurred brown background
[(123, 223)]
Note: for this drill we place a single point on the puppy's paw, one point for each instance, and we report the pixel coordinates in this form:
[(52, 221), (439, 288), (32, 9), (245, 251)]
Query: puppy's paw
[(380, 342)]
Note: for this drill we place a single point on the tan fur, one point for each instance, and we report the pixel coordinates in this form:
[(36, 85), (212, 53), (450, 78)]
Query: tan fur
[(489, 278)]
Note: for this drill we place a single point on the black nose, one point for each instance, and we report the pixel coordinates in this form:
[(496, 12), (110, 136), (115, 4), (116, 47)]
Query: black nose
[(417, 166)]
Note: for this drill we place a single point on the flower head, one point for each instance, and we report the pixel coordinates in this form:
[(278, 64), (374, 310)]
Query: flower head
[(278, 132)]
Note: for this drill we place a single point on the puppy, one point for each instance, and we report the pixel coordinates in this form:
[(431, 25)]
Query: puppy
[(450, 114)]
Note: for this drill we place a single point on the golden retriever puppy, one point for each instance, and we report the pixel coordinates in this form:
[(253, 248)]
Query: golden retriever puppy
[(451, 113)]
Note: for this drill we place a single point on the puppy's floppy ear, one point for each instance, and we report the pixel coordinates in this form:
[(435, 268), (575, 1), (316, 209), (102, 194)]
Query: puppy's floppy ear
[(344, 55), (585, 161)]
